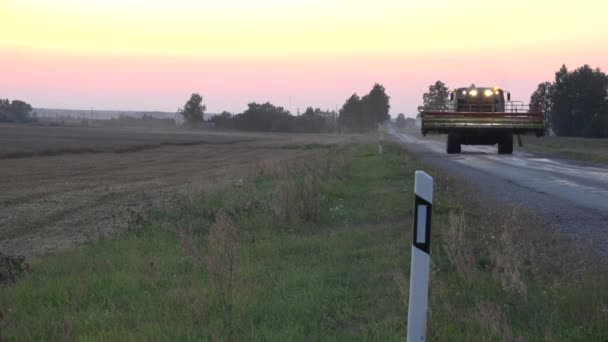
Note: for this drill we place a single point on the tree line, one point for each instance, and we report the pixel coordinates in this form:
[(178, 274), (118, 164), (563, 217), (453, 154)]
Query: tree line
[(15, 111), (266, 117), (575, 103), (358, 114)]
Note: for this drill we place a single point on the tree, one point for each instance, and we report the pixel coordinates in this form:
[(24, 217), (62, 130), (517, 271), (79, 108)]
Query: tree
[(222, 120), (560, 102), (194, 111), (437, 98), (309, 111), (365, 113), (15, 111), (400, 121), (351, 114), (314, 120), (264, 117), (375, 107), (5, 114), (579, 102), (541, 101)]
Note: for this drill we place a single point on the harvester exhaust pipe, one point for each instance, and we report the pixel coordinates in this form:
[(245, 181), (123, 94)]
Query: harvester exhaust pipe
[(519, 141)]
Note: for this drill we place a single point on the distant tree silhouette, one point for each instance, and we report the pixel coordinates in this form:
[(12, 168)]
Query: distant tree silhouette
[(351, 114), (222, 120), (194, 111), (376, 105), (267, 117), (264, 117), (577, 102), (15, 111), (541, 101), (437, 98), (400, 121), (365, 113), (315, 120)]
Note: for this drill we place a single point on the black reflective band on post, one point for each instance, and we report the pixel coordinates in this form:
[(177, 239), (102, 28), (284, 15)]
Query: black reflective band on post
[(424, 246)]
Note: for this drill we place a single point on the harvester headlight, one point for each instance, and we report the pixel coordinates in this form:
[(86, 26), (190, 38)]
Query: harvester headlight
[(464, 92), (487, 92), (473, 92)]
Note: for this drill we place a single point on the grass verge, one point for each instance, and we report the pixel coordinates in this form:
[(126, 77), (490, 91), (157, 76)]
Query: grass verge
[(317, 249), (585, 149)]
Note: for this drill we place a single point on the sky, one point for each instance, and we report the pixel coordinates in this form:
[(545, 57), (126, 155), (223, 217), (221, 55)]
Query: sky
[(152, 54)]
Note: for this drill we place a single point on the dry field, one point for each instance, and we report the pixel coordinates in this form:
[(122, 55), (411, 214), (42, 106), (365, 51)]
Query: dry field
[(17, 141), (83, 189)]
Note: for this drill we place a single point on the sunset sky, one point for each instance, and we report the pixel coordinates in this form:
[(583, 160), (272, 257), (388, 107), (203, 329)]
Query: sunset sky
[(152, 54)]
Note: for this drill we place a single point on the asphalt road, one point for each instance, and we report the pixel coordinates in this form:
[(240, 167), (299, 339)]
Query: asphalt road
[(569, 196)]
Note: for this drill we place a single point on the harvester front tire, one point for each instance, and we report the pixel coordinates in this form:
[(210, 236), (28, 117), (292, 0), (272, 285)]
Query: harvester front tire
[(453, 145), (505, 144)]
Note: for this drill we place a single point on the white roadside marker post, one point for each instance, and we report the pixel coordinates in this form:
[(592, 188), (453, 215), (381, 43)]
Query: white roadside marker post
[(421, 259), (380, 146)]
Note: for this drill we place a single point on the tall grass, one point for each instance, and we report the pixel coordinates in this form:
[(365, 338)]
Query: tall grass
[(459, 248), (301, 184), (501, 274), (222, 260)]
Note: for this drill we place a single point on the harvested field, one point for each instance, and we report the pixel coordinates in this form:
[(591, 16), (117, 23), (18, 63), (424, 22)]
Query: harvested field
[(25, 141), (59, 201)]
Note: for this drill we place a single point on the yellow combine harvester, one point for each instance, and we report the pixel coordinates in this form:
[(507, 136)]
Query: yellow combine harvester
[(481, 116)]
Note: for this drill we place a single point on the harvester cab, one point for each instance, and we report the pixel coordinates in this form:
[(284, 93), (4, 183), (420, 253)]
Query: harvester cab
[(474, 99)]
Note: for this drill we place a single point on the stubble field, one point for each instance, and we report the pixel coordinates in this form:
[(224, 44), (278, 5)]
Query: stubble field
[(64, 186)]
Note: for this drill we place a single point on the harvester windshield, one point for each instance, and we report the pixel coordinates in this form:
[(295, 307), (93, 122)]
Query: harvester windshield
[(479, 99)]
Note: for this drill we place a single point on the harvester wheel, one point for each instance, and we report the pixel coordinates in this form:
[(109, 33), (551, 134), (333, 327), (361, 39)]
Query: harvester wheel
[(505, 144), (453, 144)]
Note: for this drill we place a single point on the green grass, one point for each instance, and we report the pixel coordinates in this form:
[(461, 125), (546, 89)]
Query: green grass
[(340, 276), (586, 149)]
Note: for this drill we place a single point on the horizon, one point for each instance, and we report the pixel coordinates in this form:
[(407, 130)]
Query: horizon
[(114, 56)]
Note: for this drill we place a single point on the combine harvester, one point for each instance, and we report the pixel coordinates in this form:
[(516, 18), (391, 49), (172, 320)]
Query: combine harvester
[(481, 116)]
